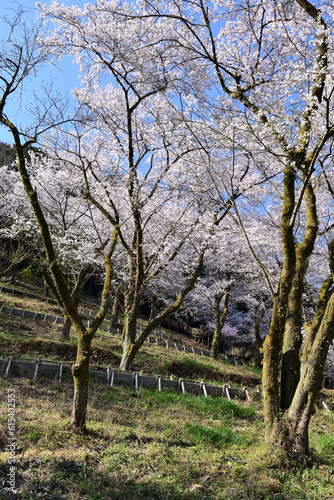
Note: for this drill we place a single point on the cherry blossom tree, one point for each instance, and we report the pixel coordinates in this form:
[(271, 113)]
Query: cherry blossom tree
[(272, 64), (21, 57), (13, 250), (137, 152), (76, 228)]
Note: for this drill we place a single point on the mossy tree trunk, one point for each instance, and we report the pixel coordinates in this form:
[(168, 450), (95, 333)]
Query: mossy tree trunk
[(290, 386), (132, 302), (291, 431), (292, 338), (80, 372), (273, 340), (282, 343)]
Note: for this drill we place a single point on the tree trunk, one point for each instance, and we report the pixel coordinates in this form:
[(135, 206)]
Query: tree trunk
[(258, 318), (46, 289), (292, 338), (219, 323), (153, 305), (272, 345), (127, 358), (292, 341), (219, 319), (65, 333), (12, 275), (291, 432), (80, 372), (116, 308), (132, 306), (271, 369)]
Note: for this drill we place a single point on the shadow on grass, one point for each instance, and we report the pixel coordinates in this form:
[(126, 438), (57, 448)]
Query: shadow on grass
[(64, 479)]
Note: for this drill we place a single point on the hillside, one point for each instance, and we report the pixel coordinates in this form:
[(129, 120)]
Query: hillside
[(29, 338), (145, 444)]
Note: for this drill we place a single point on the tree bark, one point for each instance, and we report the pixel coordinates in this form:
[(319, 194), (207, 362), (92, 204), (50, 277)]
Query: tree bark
[(129, 331), (291, 432), (65, 333), (153, 306), (80, 372), (273, 342), (292, 339), (258, 318), (116, 307), (219, 320), (46, 289)]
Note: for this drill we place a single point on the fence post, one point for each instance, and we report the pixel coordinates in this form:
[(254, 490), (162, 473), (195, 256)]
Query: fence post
[(225, 388), (36, 369), (322, 402), (246, 393), (159, 383), (181, 384), (112, 377), (9, 365), (60, 369), (202, 385), (135, 380)]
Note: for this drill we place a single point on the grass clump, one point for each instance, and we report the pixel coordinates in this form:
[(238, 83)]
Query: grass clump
[(219, 436), (214, 408)]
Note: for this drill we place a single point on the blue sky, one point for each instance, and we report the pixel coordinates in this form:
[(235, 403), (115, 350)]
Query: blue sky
[(65, 76)]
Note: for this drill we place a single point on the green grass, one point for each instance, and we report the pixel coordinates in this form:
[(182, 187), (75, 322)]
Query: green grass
[(153, 445), (150, 444), (200, 405), (218, 437)]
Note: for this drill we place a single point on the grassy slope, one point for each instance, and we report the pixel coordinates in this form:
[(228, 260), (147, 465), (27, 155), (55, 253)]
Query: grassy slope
[(147, 445)]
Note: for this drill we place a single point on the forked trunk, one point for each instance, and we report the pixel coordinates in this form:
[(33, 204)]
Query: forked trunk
[(291, 431), (290, 436)]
